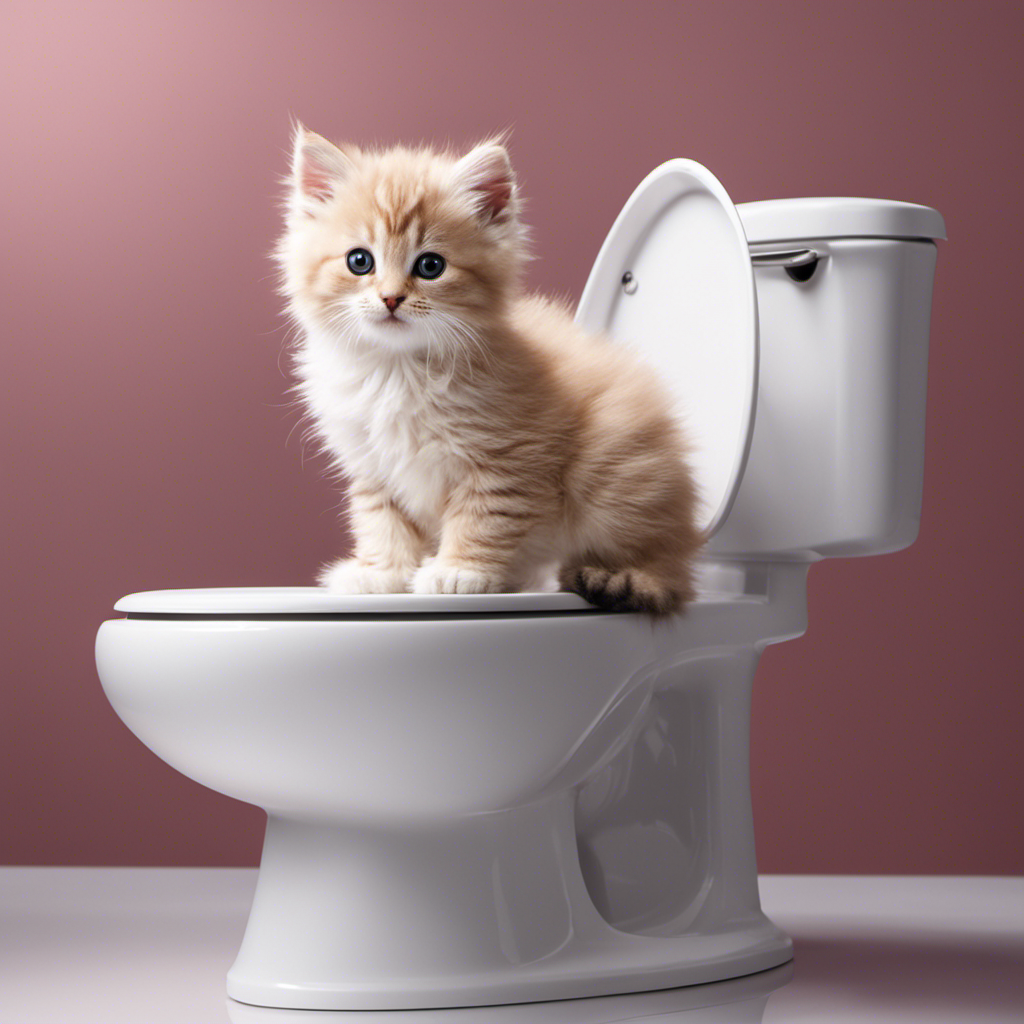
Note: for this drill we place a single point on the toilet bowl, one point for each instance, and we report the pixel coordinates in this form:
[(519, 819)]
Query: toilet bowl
[(502, 798), (433, 769)]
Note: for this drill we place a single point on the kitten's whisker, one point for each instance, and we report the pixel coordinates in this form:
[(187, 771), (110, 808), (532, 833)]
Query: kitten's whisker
[(472, 336), (452, 346)]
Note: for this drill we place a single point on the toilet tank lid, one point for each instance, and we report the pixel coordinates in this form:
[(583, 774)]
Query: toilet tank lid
[(783, 220)]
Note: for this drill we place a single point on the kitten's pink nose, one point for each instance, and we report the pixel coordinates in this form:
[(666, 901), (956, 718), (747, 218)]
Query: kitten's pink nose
[(393, 301)]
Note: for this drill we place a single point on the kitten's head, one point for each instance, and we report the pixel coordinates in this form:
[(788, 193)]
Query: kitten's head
[(401, 249)]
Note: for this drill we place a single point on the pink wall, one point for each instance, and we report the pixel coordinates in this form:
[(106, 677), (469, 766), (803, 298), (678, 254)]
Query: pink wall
[(149, 437)]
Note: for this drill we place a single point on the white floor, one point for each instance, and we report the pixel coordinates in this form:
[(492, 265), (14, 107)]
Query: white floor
[(152, 945)]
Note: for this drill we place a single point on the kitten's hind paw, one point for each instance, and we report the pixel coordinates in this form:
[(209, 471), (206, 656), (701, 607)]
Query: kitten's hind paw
[(351, 577), (623, 590)]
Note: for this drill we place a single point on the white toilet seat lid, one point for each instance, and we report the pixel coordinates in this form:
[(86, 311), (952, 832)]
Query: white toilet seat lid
[(690, 312), (240, 602)]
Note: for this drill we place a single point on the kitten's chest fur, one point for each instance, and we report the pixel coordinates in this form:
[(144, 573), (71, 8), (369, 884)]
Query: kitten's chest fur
[(387, 423)]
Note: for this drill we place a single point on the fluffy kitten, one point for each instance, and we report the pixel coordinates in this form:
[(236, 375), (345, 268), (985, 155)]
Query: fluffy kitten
[(488, 441)]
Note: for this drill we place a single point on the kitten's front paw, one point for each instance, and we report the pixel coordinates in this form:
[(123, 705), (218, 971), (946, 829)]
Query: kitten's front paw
[(350, 577), (438, 578)]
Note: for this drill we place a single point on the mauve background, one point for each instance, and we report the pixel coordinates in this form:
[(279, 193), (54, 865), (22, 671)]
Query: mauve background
[(151, 444)]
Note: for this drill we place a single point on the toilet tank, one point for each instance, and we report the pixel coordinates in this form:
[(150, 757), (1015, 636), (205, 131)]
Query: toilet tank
[(837, 454)]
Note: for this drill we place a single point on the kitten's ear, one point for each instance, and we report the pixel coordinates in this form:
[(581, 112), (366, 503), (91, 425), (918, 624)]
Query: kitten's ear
[(318, 168), (486, 174)]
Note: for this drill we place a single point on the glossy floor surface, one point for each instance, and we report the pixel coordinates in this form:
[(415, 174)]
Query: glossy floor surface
[(152, 945)]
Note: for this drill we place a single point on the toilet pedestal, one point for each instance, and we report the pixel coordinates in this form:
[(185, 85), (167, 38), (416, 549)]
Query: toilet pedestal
[(486, 911), (493, 908)]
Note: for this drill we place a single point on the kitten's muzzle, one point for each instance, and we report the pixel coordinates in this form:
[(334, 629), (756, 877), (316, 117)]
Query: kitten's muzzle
[(392, 301)]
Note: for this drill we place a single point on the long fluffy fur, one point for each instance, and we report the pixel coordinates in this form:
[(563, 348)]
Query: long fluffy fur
[(490, 443)]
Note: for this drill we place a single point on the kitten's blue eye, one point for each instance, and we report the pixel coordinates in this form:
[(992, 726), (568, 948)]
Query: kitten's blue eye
[(429, 265), (360, 261)]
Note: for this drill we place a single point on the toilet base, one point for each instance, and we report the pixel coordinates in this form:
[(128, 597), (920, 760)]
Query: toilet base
[(491, 909), (653, 963)]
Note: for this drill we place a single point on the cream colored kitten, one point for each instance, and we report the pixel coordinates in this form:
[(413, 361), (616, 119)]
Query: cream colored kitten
[(488, 441)]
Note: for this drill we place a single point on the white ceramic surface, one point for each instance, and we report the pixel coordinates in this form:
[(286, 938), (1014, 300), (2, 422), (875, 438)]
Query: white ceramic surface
[(690, 312)]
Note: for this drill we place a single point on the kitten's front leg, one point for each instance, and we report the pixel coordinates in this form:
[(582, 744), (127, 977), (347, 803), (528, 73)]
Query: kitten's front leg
[(482, 535), (388, 546)]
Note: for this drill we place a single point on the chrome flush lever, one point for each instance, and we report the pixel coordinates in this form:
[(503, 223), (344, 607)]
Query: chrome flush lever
[(785, 258), (800, 264)]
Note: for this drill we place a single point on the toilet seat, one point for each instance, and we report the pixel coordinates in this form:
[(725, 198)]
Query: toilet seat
[(716, 584), (239, 602), (674, 281)]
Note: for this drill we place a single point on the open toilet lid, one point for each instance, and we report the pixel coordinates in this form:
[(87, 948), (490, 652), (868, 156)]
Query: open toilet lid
[(690, 311)]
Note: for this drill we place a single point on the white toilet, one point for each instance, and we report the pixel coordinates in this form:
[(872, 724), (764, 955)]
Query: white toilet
[(503, 798)]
